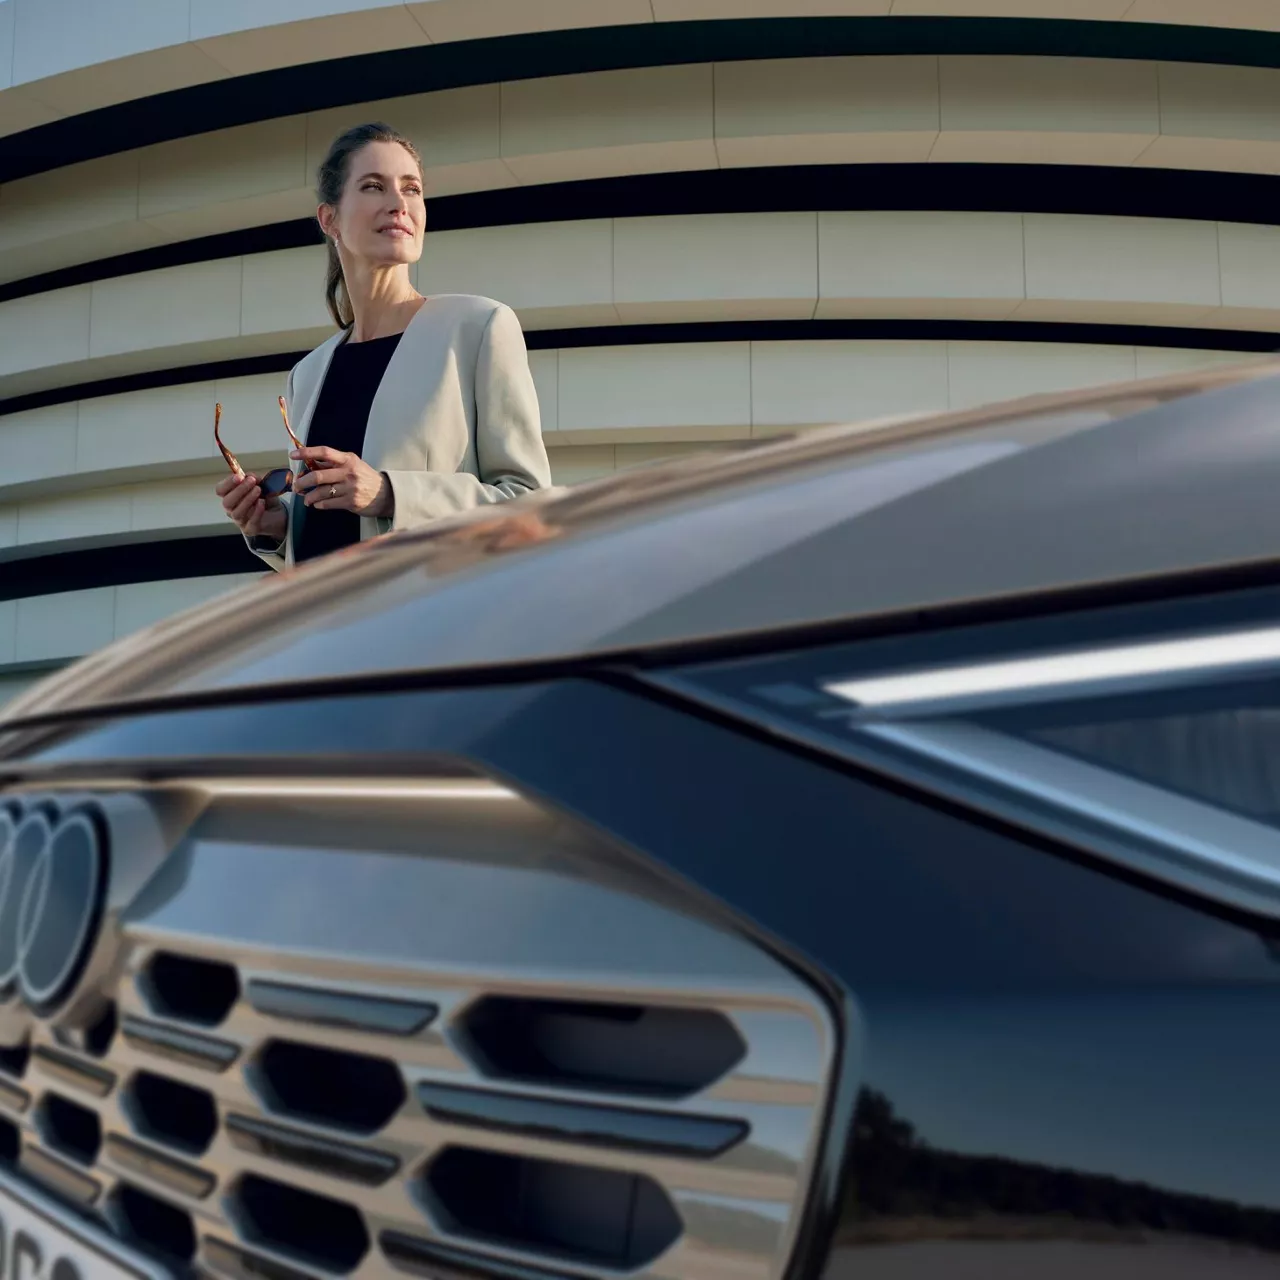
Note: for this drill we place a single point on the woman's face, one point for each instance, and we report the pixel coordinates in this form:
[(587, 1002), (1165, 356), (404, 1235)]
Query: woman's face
[(382, 214)]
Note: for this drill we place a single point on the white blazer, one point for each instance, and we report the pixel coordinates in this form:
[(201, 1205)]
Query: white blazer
[(454, 423)]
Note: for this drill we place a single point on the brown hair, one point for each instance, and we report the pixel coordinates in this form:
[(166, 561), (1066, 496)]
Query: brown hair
[(331, 181)]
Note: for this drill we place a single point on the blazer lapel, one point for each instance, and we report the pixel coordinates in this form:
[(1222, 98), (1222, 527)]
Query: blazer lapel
[(306, 397), (303, 413), (382, 429)]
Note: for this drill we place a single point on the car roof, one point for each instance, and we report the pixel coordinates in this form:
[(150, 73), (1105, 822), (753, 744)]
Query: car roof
[(837, 525)]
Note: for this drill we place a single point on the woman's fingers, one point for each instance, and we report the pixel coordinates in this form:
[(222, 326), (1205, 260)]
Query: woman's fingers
[(235, 495), (320, 455), (244, 508), (318, 479), (253, 523)]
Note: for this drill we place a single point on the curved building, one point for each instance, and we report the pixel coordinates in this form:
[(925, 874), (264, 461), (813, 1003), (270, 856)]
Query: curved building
[(716, 219)]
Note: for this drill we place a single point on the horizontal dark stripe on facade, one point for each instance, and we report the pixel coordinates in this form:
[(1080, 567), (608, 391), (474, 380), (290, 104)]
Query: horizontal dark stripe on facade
[(973, 188), (122, 564), (1247, 341), (401, 72)]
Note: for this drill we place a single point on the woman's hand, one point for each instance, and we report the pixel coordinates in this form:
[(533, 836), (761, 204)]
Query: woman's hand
[(342, 482), (242, 500)]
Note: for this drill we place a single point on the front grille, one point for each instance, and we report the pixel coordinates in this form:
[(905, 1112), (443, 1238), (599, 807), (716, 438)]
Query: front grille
[(532, 1071)]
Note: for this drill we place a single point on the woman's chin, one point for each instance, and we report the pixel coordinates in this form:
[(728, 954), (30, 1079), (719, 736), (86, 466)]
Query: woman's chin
[(395, 253)]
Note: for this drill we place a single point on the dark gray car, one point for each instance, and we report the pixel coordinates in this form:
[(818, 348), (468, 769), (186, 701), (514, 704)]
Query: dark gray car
[(855, 855)]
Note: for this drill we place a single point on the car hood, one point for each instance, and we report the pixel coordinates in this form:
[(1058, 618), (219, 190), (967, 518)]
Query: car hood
[(838, 523)]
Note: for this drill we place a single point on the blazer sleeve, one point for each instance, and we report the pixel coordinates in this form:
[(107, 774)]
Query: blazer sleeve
[(511, 457), (268, 550)]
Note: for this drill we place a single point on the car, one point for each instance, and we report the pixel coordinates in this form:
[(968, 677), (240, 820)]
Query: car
[(851, 855)]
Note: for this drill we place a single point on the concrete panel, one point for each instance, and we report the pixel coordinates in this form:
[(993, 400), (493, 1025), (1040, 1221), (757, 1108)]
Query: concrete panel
[(700, 10), (38, 444), (456, 132), (1260, 15), (1072, 95), (577, 463), (545, 368), (283, 292), (252, 174), (1157, 362), (643, 455), (12, 686), (173, 307), (1249, 255), (444, 20), (748, 265), (803, 383), (1199, 100), (65, 625), (551, 273), (826, 110), (1046, 110), (143, 429), (1217, 117), (920, 263), (105, 84), (19, 111), (247, 37), (8, 526), (141, 604), (653, 119), (985, 372), (76, 517), (682, 386), (189, 506), (1098, 10), (8, 636), (1157, 270), (80, 211), (44, 330)]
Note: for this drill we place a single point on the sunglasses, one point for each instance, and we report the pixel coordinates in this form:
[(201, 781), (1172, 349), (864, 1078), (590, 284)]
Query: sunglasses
[(278, 480)]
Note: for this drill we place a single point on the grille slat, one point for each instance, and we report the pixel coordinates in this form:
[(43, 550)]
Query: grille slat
[(340, 1008), (92, 1080), (180, 1046), (12, 1098), (59, 1177), (335, 1159), (177, 1175), (582, 1122)]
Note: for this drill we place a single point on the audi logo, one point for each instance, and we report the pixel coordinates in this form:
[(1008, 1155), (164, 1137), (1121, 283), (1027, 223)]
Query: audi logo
[(53, 871)]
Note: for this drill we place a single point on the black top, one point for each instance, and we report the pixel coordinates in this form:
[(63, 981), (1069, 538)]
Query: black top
[(340, 419)]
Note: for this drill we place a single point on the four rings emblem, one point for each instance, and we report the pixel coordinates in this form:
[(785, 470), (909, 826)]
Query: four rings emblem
[(53, 871)]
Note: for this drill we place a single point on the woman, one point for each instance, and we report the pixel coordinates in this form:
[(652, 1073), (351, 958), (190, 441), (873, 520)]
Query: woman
[(417, 407)]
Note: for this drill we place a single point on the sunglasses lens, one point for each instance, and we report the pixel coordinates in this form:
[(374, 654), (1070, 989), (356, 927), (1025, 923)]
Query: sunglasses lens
[(276, 482)]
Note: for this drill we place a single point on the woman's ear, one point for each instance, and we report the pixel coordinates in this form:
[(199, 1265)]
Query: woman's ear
[(326, 216)]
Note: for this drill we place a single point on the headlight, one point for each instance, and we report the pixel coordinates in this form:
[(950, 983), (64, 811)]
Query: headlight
[(1152, 747)]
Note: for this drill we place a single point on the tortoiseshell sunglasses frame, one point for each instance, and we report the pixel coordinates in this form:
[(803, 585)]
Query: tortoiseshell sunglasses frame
[(278, 480)]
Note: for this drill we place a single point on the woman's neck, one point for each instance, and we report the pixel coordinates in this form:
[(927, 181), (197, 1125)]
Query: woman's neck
[(382, 304)]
